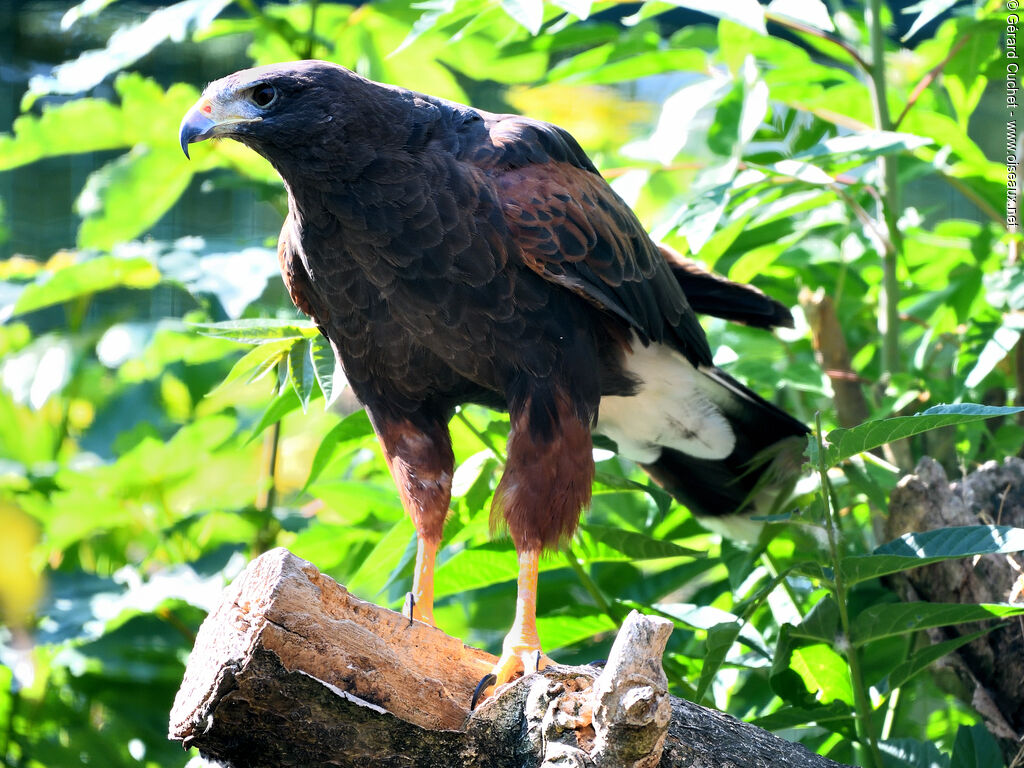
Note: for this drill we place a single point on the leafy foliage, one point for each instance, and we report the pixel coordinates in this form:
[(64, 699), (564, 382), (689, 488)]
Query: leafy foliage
[(165, 414)]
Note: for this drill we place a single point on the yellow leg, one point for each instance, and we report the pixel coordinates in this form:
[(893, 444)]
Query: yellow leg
[(423, 581), (521, 649)]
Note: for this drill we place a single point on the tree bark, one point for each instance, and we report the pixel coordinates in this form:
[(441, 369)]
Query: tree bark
[(989, 669), (292, 670)]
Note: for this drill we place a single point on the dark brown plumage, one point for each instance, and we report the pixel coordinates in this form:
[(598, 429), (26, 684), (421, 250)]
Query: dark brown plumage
[(451, 255)]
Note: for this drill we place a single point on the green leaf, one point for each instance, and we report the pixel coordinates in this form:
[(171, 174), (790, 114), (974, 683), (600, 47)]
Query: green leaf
[(975, 748), (724, 135), (912, 753), (888, 620), (927, 656), (329, 374), (929, 11), (258, 331), (356, 502), (705, 617), (126, 46), (813, 12), (127, 196), (529, 13), (376, 570), (844, 443), (477, 567), (790, 717), (257, 362), (746, 13), (637, 546), (864, 146), (719, 640), (85, 278), (616, 482), (301, 374), (52, 133), (283, 403), (825, 673), (572, 625), (822, 623), (355, 426), (915, 549), (796, 169)]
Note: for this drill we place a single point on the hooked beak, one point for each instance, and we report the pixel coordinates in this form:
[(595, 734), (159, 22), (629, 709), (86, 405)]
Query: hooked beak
[(204, 121), (195, 126)]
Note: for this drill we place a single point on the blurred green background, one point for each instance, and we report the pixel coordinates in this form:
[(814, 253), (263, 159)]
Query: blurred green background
[(162, 404)]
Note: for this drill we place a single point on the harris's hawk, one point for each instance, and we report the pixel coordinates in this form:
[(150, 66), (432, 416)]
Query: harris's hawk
[(453, 256)]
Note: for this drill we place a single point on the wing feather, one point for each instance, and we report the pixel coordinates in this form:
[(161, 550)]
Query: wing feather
[(572, 229)]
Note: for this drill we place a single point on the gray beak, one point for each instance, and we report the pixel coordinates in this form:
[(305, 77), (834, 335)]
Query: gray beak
[(195, 126)]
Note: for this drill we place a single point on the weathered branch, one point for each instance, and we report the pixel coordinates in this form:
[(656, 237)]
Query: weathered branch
[(292, 670)]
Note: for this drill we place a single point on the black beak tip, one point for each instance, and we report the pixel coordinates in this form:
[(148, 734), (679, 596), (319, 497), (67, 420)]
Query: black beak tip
[(195, 126)]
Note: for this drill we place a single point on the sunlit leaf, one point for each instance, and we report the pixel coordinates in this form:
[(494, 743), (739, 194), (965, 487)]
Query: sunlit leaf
[(126, 197), (746, 13), (84, 278), (844, 443), (353, 427), (259, 331), (915, 549), (637, 546), (283, 403), (329, 374), (719, 640), (126, 46), (929, 10), (573, 625), (923, 658), (790, 717), (813, 12), (529, 13), (880, 621), (824, 671), (300, 373), (865, 145)]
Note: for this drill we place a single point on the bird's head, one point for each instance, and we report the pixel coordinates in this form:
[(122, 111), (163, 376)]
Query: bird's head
[(269, 108)]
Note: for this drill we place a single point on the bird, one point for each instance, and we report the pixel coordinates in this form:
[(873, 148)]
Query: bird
[(451, 256)]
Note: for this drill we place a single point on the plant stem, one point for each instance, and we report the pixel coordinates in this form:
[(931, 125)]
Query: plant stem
[(889, 195), (796, 26), (269, 527), (865, 726), (311, 36), (483, 438), (927, 80), (589, 584)]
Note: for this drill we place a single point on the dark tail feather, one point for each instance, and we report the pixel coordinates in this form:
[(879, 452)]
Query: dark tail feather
[(765, 462), (711, 294)]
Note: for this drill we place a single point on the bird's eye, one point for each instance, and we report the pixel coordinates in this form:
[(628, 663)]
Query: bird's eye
[(263, 95)]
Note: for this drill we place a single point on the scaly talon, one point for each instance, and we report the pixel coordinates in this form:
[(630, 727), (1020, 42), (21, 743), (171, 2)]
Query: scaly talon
[(521, 651), (485, 682), (419, 604)]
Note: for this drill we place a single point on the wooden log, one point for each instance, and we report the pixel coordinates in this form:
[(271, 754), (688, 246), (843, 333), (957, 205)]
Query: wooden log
[(292, 670)]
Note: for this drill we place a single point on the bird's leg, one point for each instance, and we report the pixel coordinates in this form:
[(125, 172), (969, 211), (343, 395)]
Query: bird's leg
[(419, 455), (545, 485), (421, 598), (521, 650)]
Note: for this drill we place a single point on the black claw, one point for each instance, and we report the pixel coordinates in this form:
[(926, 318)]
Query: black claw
[(597, 663), (410, 603), (485, 681), (536, 661)]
